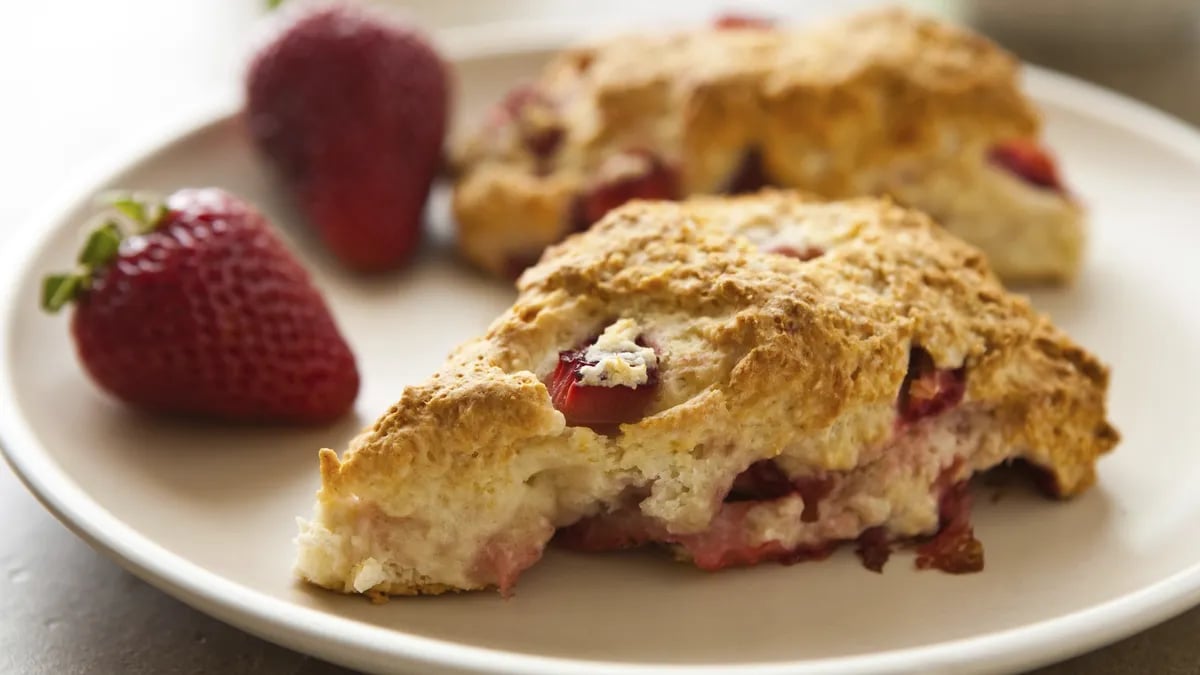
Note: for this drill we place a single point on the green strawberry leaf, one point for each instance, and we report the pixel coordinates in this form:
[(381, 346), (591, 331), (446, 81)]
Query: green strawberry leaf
[(59, 289), (145, 211), (101, 245), (132, 208)]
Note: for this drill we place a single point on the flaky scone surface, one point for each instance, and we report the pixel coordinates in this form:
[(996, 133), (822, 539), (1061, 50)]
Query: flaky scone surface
[(880, 103), (760, 355)]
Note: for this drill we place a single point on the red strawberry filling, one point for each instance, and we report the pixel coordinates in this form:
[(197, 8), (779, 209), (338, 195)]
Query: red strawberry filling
[(954, 548), (762, 480), (733, 21), (724, 544), (625, 177), (623, 529), (927, 390), (1029, 161), (765, 489), (750, 175), (598, 407), (533, 114), (501, 563), (765, 481), (806, 253), (874, 548)]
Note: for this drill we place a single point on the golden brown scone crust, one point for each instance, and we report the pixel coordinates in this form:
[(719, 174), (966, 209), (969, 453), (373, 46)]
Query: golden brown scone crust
[(884, 102), (761, 354)]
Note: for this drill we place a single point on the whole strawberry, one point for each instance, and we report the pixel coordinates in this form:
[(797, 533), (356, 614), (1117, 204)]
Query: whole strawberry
[(351, 108), (203, 311)]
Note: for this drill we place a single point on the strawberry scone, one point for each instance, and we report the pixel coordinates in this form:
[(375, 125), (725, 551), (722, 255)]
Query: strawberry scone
[(735, 379), (880, 103)]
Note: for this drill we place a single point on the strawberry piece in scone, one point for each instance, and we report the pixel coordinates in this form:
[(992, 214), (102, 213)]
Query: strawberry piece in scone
[(610, 381)]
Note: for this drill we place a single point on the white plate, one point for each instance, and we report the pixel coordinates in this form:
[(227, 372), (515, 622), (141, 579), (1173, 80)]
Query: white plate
[(205, 512)]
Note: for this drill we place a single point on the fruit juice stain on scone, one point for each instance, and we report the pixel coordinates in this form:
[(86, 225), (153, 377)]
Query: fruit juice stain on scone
[(671, 378), (879, 103)]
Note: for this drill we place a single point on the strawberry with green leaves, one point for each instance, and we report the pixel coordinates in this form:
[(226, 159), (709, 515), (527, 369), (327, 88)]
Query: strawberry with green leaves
[(194, 306)]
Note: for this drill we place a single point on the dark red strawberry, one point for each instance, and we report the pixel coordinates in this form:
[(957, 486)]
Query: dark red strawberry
[(1028, 161), (598, 407), (351, 107), (203, 311), (655, 180), (928, 391)]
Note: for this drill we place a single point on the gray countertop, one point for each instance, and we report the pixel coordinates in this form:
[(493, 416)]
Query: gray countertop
[(65, 608)]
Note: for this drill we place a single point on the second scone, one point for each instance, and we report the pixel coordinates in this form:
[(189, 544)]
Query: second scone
[(880, 103)]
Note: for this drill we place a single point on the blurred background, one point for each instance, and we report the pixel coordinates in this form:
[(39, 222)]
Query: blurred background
[(82, 81)]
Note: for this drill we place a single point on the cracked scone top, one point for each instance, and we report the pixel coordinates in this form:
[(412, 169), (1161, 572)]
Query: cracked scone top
[(884, 102), (814, 373)]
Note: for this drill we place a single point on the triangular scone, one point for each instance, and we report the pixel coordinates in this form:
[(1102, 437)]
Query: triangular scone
[(884, 102), (790, 374)]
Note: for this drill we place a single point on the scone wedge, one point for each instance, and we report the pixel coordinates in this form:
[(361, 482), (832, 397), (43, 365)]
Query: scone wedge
[(885, 102), (735, 379)]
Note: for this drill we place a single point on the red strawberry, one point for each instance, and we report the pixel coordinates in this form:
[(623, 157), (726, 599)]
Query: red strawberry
[(598, 407), (1028, 161), (652, 179), (351, 107), (203, 311)]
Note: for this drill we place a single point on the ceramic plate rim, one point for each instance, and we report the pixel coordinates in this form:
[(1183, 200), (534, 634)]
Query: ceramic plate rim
[(344, 640)]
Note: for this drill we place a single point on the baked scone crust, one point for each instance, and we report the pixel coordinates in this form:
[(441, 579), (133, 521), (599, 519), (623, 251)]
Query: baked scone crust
[(762, 356), (885, 102)]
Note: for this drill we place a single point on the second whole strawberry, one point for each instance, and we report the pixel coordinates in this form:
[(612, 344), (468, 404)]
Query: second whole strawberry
[(202, 311), (351, 106)]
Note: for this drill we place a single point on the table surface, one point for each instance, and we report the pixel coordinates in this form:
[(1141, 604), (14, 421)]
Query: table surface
[(82, 84)]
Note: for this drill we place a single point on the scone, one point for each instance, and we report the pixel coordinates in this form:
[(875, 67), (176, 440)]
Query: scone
[(880, 103), (736, 379)]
